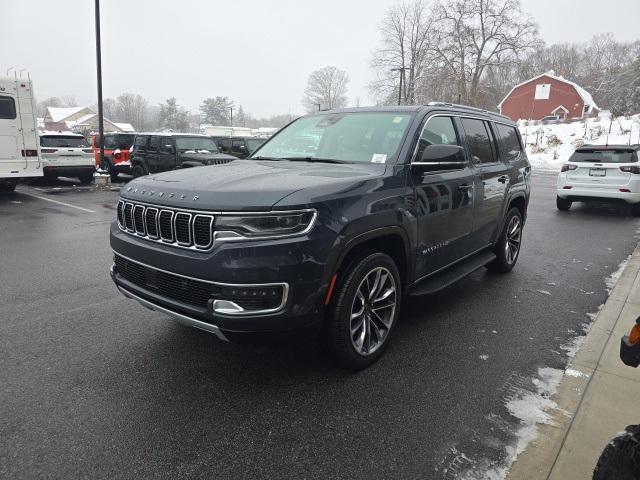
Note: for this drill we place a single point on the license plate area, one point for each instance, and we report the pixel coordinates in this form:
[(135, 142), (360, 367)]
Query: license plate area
[(597, 172)]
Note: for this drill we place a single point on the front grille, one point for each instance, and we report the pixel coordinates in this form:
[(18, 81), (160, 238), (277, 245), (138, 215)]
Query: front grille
[(171, 226), (196, 292)]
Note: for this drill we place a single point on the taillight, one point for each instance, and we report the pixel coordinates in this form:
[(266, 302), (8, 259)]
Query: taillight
[(568, 166), (87, 150), (117, 156), (29, 153), (48, 150), (631, 169)]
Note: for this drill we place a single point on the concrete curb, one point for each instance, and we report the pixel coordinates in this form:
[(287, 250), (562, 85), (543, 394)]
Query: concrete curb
[(596, 400)]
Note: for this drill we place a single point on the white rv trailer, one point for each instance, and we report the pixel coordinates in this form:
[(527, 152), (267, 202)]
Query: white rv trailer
[(19, 143)]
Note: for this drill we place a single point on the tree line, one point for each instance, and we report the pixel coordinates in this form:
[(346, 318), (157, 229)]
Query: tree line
[(474, 51), (144, 116)]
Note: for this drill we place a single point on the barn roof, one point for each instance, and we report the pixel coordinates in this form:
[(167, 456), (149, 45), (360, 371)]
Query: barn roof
[(586, 96)]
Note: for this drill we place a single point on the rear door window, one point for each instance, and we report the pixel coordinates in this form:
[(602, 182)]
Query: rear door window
[(61, 141), (7, 108), (224, 144), (154, 143), (478, 141), (510, 146), (141, 143)]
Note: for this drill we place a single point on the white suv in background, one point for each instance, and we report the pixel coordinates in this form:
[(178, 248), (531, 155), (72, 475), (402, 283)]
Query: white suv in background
[(67, 154), (601, 173)]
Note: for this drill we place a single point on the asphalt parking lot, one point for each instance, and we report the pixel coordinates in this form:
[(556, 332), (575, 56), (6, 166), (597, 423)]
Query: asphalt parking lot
[(93, 385)]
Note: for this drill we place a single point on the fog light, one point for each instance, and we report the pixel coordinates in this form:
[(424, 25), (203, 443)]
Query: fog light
[(248, 300)]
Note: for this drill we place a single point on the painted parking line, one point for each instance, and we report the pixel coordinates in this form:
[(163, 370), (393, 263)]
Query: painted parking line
[(58, 202)]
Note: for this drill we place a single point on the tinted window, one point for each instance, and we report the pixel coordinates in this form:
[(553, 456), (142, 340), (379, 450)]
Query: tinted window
[(603, 156), (196, 144), (238, 146), (109, 142), (7, 108), (477, 140), (141, 143), (61, 141), (224, 144), (437, 131), (167, 145), (254, 143), (154, 143), (509, 142), (124, 141)]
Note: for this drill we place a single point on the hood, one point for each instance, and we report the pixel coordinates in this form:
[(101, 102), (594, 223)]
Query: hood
[(244, 185)]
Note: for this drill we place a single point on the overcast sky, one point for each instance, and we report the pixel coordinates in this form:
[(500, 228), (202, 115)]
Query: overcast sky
[(257, 52)]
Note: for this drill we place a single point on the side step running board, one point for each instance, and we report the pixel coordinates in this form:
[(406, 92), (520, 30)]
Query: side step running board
[(452, 274)]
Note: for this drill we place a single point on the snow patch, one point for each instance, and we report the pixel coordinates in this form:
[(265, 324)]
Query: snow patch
[(570, 372), (483, 357), (612, 279), (544, 292)]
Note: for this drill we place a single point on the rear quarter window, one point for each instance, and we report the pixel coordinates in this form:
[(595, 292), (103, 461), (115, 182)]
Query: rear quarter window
[(511, 148), (140, 144)]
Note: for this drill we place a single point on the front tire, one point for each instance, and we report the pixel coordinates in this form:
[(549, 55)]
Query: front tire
[(365, 311), (507, 249), (635, 209), (138, 171), (563, 204), (7, 187)]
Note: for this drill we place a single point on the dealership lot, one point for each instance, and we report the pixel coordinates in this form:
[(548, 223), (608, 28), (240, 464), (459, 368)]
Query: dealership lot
[(96, 386)]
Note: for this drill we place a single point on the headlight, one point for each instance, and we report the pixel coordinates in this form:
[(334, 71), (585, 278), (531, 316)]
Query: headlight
[(287, 224)]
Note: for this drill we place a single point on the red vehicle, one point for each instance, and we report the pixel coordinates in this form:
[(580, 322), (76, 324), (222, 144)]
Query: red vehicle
[(116, 153)]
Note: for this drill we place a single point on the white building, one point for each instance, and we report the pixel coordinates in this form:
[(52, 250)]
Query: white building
[(79, 119)]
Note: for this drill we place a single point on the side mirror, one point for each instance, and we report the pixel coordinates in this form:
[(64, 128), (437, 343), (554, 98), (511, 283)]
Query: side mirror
[(441, 157)]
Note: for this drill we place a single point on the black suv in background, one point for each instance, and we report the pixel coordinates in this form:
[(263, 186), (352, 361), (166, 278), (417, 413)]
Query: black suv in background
[(383, 203), (239, 147), (160, 152)]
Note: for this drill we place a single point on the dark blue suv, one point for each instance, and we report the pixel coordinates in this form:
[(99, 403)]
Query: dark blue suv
[(327, 226)]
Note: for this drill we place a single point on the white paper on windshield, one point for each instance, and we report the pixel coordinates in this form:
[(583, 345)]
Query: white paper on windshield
[(379, 158)]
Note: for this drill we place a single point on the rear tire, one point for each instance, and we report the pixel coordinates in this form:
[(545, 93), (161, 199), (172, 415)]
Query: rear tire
[(507, 249), (86, 178), (138, 171), (563, 204), (7, 187), (635, 209), (365, 311)]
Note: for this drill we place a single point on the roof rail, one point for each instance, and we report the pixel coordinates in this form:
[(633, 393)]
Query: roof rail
[(465, 107)]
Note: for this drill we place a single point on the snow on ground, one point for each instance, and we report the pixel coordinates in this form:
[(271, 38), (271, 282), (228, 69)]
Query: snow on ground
[(611, 280), (549, 146)]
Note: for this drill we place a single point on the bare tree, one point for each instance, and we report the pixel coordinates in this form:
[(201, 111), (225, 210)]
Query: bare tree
[(473, 35), (131, 108), (326, 89), (404, 52)]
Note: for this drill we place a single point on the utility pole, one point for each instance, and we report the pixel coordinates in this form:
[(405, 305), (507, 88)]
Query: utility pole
[(319, 105), (401, 70), (99, 73)]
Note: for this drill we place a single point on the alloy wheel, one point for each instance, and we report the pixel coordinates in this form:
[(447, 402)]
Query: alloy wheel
[(372, 311), (514, 237)]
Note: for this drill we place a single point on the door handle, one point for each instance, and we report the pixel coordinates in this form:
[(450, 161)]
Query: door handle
[(503, 178)]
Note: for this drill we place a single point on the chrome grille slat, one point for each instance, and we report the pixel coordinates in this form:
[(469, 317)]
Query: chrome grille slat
[(138, 220), (171, 226)]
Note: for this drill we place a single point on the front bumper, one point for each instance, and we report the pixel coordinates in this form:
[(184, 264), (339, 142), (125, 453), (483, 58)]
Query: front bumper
[(294, 262), (122, 167)]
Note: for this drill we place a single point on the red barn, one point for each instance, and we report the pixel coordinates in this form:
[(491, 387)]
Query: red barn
[(546, 95)]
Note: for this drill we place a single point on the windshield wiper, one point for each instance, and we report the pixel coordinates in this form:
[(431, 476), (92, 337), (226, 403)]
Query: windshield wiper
[(314, 159), (259, 157)]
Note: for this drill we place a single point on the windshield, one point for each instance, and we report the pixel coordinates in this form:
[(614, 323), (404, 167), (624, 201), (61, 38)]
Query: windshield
[(125, 141), (184, 144), (350, 137), (62, 141), (254, 143), (603, 156)]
